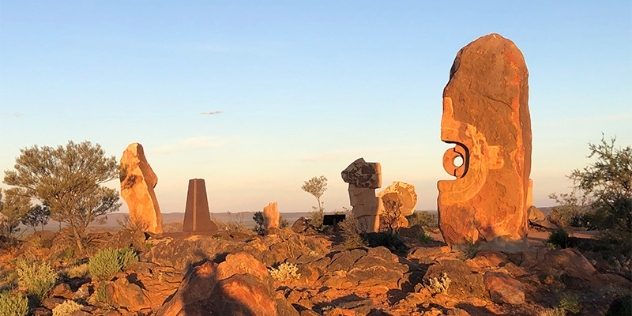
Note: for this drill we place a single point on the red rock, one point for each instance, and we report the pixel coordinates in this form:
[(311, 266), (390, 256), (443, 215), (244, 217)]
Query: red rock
[(123, 294), (503, 288), (568, 261), (138, 181), (486, 116)]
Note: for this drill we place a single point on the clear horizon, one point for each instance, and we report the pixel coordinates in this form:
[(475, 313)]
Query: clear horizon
[(256, 98)]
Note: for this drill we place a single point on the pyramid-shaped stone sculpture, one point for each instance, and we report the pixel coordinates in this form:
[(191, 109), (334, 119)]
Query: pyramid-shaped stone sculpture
[(197, 217)]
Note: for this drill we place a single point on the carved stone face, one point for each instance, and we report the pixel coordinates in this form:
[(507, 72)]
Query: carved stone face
[(486, 117)]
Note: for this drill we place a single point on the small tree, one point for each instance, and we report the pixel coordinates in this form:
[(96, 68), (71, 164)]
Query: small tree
[(36, 216), (69, 180), (316, 186), (570, 208), (14, 206), (607, 184), (258, 218)]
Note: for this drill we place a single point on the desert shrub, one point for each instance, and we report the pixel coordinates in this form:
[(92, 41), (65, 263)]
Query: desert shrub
[(37, 277), (284, 272), (556, 311), (258, 218), (351, 232), (104, 264), (283, 223), (66, 308), (424, 219), (393, 242), (316, 218), (424, 238), (436, 285), (108, 262), (126, 256), (13, 304), (570, 303), (77, 271), (559, 238), (570, 209), (389, 218)]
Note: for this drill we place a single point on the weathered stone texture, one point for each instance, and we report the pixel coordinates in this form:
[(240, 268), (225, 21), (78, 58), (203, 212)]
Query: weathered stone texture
[(197, 217), (363, 178), (486, 117), (138, 181), (271, 216), (403, 196)]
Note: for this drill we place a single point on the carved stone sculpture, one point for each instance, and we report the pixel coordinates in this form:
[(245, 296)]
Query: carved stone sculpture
[(271, 217), (396, 201), (486, 117), (363, 178), (138, 181), (197, 217)]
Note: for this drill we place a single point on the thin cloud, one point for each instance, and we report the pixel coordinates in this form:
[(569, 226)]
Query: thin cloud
[(212, 112), (189, 144)]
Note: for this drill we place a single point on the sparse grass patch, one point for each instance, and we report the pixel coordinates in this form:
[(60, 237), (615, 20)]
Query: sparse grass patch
[(570, 303), (351, 232)]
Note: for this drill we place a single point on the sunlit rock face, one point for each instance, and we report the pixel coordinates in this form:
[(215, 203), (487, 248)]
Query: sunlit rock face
[(486, 117), (271, 216), (138, 181), (363, 178), (197, 216)]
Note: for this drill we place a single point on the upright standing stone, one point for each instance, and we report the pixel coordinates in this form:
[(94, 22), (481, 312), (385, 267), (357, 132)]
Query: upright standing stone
[(138, 181), (271, 217), (197, 217), (486, 117), (363, 178)]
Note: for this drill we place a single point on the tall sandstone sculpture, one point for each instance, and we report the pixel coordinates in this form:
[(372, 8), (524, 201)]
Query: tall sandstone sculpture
[(363, 178), (197, 217), (138, 181), (486, 116)]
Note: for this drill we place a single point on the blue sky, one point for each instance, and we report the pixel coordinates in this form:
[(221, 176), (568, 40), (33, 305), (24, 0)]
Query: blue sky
[(303, 88)]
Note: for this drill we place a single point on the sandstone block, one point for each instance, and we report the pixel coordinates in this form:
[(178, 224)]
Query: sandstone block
[(138, 181), (271, 216), (363, 178), (486, 117), (396, 201)]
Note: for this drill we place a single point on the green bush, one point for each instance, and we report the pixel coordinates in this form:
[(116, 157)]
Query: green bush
[(66, 308), (104, 264), (126, 256), (559, 238), (351, 232), (107, 262), (13, 304), (37, 277)]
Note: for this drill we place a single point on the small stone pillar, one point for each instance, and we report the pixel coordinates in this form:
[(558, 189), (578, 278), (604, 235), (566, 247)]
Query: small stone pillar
[(271, 217), (197, 217)]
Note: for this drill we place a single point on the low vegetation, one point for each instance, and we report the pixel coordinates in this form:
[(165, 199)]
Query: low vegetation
[(285, 272), (13, 304), (107, 262), (38, 278), (67, 308)]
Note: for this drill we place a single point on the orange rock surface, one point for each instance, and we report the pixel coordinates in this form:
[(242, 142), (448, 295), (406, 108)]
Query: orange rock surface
[(197, 216), (486, 117), (138, 181), (271, 216)]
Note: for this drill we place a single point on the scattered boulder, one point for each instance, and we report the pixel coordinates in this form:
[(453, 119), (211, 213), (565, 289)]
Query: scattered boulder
[(504, 289), (463, 281)]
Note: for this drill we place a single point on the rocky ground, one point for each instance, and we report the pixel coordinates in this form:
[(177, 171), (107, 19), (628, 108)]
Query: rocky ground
[(314, 274)]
